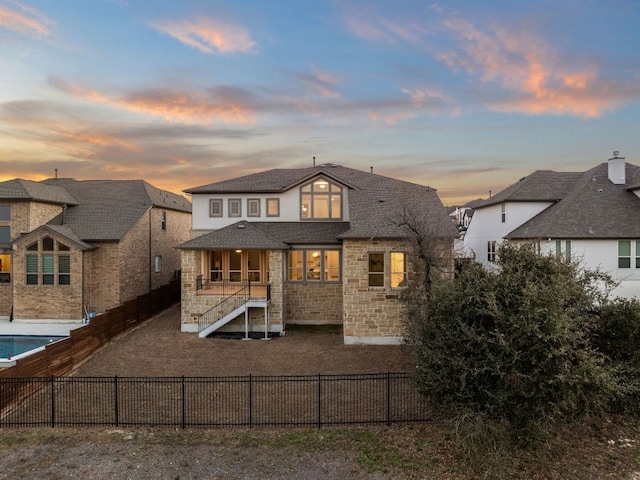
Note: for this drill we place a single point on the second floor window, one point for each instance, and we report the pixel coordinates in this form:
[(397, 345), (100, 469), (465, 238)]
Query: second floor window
[(503, 212), (253, 207), (5, 235), (235, 207), (321, 200), (163, 221)]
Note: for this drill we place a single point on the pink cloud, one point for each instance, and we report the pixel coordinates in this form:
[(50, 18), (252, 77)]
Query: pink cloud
[(322, 82), (524, 63), (25, 19), (173, 105), (372, 26), (208, 35)]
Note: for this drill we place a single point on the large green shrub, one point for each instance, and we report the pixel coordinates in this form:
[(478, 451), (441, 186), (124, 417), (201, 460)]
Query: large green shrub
[(513, 344)]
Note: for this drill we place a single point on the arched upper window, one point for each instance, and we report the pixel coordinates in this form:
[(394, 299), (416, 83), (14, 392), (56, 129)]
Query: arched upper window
[(321, 200)]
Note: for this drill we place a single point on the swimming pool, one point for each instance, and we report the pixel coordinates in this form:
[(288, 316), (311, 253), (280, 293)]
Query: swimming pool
[(13, 345)]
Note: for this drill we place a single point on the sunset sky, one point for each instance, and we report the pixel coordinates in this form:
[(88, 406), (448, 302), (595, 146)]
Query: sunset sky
[(464, 96)]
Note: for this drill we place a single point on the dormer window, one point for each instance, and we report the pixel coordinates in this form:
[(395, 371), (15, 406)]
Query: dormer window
[(321, 200)]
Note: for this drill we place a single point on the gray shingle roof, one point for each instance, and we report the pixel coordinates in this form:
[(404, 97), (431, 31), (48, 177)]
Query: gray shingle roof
[(107, 209), (592, 207), (62, 230), (375, 201), (268, 235), (541, 185), (19, 189)]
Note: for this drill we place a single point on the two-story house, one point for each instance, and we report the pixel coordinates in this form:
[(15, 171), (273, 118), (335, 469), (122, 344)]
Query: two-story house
[(68, 248), (592, 216), (307, 245)]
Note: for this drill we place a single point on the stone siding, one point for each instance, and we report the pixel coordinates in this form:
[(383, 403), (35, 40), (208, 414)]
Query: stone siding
[(194, 303), (313, 303), (371, 314)]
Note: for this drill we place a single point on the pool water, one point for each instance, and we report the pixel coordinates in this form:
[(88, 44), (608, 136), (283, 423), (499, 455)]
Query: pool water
[(16, 344)]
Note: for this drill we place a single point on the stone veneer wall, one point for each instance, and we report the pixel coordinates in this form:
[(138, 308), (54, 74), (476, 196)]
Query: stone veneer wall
[(371, 314), (194, 304), (313, 303)]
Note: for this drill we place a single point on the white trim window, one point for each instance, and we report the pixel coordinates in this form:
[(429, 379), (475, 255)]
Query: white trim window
[(491, 251), (624, 253)]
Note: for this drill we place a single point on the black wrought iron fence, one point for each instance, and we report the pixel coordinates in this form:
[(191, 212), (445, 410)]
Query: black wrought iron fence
[(190, 402)]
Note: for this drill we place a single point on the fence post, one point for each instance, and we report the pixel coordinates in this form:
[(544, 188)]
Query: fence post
[(53, 401), (184, 409), (388, 398), (319, 402), (115, 401), (250, 401)]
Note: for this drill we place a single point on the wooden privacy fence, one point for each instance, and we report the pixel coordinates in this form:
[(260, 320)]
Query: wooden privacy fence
[(60, 358), (239, 401)]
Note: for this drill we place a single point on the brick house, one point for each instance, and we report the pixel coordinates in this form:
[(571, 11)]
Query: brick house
[(69, 247), (308, 245)]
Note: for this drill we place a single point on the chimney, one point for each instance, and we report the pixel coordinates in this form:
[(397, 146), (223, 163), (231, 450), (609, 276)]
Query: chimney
[(616, 169)]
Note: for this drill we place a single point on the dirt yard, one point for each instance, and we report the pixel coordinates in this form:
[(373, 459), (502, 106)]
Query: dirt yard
[(158, 348)]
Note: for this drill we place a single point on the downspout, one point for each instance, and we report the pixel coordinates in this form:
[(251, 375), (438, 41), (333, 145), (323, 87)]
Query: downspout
[(150, 253)]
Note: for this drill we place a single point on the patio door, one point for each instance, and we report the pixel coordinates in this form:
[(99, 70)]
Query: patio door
[(238, 265)]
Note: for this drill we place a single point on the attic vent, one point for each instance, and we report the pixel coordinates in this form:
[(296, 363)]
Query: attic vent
[(241, 225), (600, 190), (380, 201)]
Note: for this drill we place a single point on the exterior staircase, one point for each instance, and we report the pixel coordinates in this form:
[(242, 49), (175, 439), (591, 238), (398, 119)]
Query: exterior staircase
[(230, 308)]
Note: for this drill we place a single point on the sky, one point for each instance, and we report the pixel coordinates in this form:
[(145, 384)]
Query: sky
[(463, 96)]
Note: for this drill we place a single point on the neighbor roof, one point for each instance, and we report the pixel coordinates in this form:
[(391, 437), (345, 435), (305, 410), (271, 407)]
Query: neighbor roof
[(591, 207), (107, 209), (540, 186), (19, 189)]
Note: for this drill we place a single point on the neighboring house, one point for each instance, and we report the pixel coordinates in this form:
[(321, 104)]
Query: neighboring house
[(71, 247), (308, 245), (593, 216)]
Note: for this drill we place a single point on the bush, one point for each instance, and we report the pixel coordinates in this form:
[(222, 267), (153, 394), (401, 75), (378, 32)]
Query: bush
[(512, 345)]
